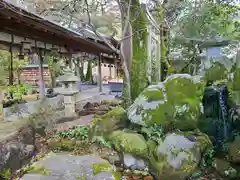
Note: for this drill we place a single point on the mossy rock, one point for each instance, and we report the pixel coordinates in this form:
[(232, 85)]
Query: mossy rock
[(106, 167), (35, 169), (178, 156), (61, 144), (234, 150), (132, 143), (224, 168), (108, 122), (176, 101)]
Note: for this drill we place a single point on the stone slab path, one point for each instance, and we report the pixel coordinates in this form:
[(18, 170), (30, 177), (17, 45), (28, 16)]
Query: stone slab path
[(68, 167)]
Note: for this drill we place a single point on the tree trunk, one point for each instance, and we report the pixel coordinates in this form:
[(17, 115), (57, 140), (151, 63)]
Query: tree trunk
[(126, 50), (164, 34), (139, 77), (133, 49)]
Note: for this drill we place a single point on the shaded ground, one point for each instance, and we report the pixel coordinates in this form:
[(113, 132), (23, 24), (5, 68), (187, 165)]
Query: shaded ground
[(84, 120)]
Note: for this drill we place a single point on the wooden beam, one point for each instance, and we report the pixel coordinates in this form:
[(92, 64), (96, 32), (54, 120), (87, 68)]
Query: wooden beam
[(100, 73), (22, 29)]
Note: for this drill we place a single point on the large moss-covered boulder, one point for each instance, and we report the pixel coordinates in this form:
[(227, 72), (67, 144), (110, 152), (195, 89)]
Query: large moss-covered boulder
[(129, 142), (107, 123), (178, 156), (177, 99)]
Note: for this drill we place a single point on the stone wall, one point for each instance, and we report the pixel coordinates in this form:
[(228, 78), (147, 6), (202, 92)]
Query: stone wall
[(18, 149)]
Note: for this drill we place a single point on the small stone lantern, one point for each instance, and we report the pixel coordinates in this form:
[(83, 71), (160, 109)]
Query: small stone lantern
[(70, 92)]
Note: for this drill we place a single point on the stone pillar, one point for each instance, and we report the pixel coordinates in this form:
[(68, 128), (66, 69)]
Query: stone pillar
[(41, 76), (70, 98), (100, 73)]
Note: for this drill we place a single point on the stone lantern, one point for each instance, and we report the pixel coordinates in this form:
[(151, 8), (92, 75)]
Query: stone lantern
[(70, 92)]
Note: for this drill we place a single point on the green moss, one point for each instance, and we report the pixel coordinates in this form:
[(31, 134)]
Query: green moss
[(6, 174), (236, 79), (155, 95), (139, 55), (97, 168), (81, 178), (107, 123), (38, 170), (182, 108), (106, 167), (130, 143), (203, 141), (217, 72), (65, 144)]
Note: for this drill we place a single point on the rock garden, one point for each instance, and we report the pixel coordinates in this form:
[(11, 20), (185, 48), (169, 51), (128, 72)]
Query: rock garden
[(163, 135)]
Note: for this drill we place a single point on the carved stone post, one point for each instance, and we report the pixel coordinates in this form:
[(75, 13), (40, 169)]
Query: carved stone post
[(70, 93)]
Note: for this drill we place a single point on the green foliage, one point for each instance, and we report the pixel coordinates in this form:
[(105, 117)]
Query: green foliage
[(199, 24), (4, 66), (217, 72), (81, 133), (207, 160), (209, 20), (18, 90), (153, 132), (6, 174), (100, 140), (78, 133)]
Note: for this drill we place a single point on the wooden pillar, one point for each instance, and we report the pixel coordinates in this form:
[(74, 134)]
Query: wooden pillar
[(41, 55), (100, 73), (11, 64), (116, 69)]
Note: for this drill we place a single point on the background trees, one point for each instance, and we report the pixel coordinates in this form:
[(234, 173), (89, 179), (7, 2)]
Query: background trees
[(184, 26)]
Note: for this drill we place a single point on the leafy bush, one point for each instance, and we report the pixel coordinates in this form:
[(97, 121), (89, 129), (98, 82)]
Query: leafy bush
[(78, 133), (153, 132), (81, 133), (18, 90)]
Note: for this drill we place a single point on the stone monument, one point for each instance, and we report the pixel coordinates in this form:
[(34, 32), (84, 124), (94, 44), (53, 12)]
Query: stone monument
[(70, 92)]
